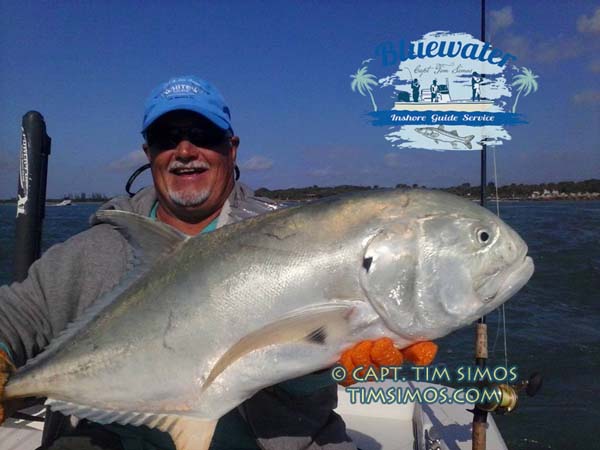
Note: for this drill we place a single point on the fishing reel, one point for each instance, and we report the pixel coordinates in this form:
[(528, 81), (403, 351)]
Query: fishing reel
[(504, 397)]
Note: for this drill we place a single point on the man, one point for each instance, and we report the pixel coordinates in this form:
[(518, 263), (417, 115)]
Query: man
[(192, 150), (476, 81), (416, 86), (435, 89)]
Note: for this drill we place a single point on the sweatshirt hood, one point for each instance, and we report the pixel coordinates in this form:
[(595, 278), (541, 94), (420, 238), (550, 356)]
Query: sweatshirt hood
[(241, 204), (141, 203)]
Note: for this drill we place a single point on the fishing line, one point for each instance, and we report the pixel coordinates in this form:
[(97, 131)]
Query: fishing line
[(496, 180), (501, 314)]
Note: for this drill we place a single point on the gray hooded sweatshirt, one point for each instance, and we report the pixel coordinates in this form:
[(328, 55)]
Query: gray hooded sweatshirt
[(69, 277)]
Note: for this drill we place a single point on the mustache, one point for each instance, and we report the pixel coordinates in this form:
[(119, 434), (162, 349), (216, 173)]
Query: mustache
[(174, 165)]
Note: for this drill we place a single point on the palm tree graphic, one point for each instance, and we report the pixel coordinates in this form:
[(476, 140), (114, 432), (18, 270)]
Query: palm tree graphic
[(525, 83), (362, 81)]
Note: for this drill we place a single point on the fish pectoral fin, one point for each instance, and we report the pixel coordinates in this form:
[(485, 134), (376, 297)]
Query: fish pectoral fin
[(316, 325), (149, 237), (189, 433)]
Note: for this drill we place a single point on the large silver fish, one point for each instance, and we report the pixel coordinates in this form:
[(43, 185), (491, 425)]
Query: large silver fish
[(220, 316)]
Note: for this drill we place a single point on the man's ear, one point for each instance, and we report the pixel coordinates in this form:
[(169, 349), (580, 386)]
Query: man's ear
[(146, 151), (235, 143)]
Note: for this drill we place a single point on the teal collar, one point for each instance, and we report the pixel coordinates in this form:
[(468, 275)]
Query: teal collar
[(152, 214), (211, 226)]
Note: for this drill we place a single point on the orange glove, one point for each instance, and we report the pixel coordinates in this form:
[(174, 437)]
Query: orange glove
[(382, 352), (421, 353), (7, 368)]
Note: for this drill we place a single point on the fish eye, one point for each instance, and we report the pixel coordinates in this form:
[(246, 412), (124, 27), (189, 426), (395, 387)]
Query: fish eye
[(483, 236)]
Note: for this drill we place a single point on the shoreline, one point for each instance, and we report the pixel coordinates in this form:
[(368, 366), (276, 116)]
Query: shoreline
[(311, 198)]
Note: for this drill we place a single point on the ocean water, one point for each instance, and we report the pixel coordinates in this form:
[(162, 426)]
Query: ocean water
[(552, 324)]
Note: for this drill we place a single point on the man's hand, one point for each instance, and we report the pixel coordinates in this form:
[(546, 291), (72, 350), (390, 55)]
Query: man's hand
[(382, 352), (7, 368)]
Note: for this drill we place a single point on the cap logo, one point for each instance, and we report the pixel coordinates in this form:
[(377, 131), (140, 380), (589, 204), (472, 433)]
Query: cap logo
[(182, 89)]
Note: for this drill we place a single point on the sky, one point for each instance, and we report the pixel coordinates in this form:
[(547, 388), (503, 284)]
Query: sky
[(284, 68)]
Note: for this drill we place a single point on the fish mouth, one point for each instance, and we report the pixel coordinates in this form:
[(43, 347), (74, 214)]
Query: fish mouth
[(507, 283)]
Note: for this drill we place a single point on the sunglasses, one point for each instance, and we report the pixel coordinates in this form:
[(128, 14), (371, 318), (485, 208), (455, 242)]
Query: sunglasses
[(165, 138)]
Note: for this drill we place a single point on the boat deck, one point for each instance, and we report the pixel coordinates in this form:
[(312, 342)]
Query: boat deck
[(16, 434), (372, 426), (407, 426)]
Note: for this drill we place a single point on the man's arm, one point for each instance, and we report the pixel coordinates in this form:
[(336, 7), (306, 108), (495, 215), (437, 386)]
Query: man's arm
[(59, 287)]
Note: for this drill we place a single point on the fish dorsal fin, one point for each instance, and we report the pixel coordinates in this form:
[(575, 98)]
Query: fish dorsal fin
[(317, 324), (149, 238), (441, 128), (188, 433), (454, 132)]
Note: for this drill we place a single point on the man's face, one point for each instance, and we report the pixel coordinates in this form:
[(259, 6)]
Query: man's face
[(192, 164)]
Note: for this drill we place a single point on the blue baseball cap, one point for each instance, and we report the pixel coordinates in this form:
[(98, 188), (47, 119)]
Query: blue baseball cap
[(188, 93)]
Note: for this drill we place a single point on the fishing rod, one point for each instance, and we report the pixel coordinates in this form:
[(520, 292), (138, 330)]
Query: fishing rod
[(506, 396), (478, 433)]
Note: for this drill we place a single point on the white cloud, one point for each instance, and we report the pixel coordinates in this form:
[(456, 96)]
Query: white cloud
[(130, 161), (9, 162), (589, 24), (501, 18), (257, 163), (558, 49), (543, 51), (587, 96)]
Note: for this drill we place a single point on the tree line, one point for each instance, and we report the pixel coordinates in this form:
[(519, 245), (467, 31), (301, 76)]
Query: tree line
[(513, 190), (465, 189)]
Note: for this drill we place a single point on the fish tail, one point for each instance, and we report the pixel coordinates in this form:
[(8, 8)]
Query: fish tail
[(468, 140), (21, 385)]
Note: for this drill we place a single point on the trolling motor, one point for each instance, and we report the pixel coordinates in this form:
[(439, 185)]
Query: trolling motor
[(505, 397), (31, 203)]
